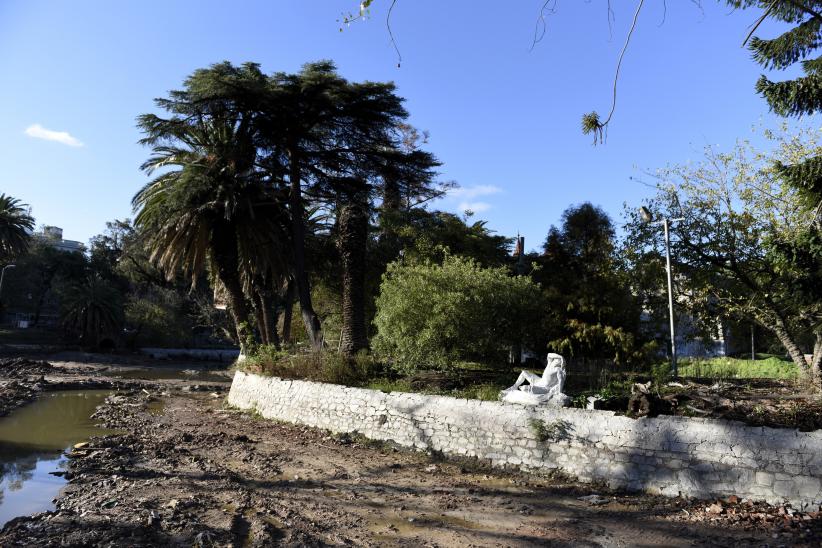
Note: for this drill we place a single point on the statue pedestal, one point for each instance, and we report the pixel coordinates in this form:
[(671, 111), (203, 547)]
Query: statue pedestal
[(534, 397)]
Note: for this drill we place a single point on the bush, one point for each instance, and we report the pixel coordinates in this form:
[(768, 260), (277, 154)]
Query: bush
[(331, 367), (431, 316)]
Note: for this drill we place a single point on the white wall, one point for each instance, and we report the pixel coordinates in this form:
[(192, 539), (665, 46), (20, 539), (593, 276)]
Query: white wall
[(666, 455)]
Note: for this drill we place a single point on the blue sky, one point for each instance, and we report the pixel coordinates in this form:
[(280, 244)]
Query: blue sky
[(504, 120)]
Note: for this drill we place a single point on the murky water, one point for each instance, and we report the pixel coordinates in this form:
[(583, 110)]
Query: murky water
[(32, 440)]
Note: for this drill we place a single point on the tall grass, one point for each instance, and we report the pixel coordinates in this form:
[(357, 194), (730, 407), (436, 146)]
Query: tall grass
[(325, 366), (770, 367)]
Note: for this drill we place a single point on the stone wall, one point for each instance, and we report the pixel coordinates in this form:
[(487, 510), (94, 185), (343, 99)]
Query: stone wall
[(666, 455)]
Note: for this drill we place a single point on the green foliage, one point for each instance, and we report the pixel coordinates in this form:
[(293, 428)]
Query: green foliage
[(590, 310), (429, 235), (430, 316), (386, 384), (484, 392), (744, 248), (156, 319), (771, 367), (553, 431), (15, 226), (801, 95), (330, 367), (212, 208), (266, 360), (591, 125), (91, 310), (41, 273)]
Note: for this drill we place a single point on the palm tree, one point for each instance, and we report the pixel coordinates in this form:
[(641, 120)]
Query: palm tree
[(352, 225), (92, 309), (15, 227), (211, 208)]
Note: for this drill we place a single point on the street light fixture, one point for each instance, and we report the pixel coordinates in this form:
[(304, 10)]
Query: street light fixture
[(648, 218)]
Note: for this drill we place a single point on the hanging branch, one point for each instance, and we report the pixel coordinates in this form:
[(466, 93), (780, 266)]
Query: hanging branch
[(391, 34), (591, 122), (541, 26)]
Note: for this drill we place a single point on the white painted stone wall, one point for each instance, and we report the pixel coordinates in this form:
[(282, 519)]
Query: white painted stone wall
[(666, 455)]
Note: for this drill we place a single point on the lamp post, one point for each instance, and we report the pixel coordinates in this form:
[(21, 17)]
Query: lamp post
[(648, 218)]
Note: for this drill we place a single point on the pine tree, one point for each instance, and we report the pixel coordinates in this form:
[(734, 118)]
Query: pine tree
[(798, 96)]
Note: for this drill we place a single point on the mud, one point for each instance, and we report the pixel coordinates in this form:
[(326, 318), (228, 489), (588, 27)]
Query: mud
[(188, 471), (22, 378)]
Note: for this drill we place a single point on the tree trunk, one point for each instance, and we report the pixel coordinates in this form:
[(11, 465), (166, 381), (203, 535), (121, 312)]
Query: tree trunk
[(310, 319), (226, 261), (781, 331), (269, 320), (351, 242), (288, 312), (816, 361), (258, 315)]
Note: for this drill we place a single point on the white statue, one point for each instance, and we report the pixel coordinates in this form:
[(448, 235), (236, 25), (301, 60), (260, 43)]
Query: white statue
[(546, 389)]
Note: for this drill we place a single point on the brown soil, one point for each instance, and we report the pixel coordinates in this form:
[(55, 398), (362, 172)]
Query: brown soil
[(187, 471)]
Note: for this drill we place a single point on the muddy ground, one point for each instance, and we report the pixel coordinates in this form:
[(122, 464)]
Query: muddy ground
[(189, 471)]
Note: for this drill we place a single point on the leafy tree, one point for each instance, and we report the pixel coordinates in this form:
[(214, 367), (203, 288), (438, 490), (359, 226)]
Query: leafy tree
[(743, 247), (425, 234), (92, 310), (209, 206), (40, 272), (314, 128), (798, 96), (434, 315), (590, 308), (15, 227)]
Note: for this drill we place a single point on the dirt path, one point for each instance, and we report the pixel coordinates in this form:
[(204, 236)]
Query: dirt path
[(190, 472)]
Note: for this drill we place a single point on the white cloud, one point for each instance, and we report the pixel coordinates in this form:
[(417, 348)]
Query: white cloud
[(476, 207), (39, 132), (471, 192)]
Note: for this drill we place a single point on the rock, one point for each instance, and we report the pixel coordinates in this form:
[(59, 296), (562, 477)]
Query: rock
[(593, 499), (80, 445), (153, 519)]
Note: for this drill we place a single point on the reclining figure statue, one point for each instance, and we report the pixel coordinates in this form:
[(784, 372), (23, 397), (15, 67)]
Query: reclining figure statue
[(546, 389)]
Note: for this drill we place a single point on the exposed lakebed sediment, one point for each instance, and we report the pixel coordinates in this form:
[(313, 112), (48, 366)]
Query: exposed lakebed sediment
[(46, 408), (186, 470)]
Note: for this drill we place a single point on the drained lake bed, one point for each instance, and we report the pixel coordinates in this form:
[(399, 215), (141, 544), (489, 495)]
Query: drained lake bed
[(32, 441)]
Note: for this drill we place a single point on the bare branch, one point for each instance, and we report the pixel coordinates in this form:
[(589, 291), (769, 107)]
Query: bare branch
[(391, 34), (591, 122)]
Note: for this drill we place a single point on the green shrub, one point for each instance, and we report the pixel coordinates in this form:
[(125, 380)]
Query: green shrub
[(431, 316), (340, 369), (772, 367), (331, 367)]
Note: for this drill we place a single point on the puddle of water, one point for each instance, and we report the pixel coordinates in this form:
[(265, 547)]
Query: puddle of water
[(32, 440), (171, 373)]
